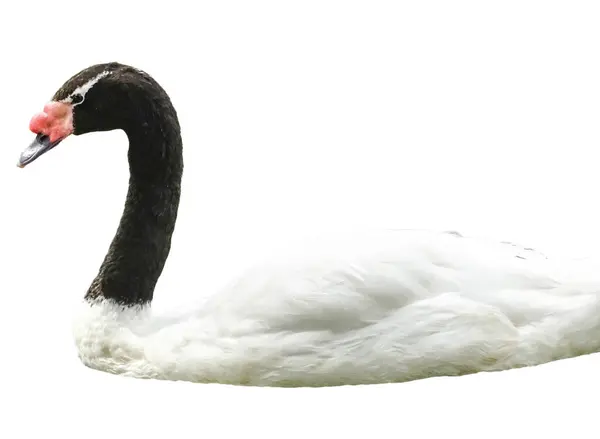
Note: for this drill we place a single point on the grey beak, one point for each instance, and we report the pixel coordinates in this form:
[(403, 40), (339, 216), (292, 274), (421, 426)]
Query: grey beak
[(39, 146)]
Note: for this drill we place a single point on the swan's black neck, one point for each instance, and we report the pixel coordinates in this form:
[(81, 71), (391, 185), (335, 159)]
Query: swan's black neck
[(138, 252)]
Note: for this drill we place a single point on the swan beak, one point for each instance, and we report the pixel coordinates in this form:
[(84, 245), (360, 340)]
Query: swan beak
[(39, 146)]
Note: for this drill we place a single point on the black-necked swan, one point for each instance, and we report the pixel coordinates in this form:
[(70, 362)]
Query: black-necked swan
[(388, 306)]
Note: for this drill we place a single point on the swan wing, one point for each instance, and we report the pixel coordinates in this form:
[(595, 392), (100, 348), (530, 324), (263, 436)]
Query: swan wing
[(348, 283)]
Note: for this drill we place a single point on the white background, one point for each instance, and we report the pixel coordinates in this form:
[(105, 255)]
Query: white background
[(298, 116)]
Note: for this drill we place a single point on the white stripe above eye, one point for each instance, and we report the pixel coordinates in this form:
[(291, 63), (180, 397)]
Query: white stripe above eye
[(83, 89)]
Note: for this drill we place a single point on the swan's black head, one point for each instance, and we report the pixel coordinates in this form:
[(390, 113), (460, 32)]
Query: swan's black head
[(102, 97)]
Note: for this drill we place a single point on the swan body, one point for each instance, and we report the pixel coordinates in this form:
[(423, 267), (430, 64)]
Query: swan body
[(372, 307), (387, 306)]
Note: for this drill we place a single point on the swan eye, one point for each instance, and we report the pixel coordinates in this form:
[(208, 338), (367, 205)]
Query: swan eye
[(76, 99)]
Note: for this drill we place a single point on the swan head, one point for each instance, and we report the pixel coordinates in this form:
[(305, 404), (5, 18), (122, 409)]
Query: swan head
[(98, 98)]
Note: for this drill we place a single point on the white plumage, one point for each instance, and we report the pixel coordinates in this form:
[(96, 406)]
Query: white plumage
[(387, 306)]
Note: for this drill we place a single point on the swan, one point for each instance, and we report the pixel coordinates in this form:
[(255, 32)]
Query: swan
[(385, 306)]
